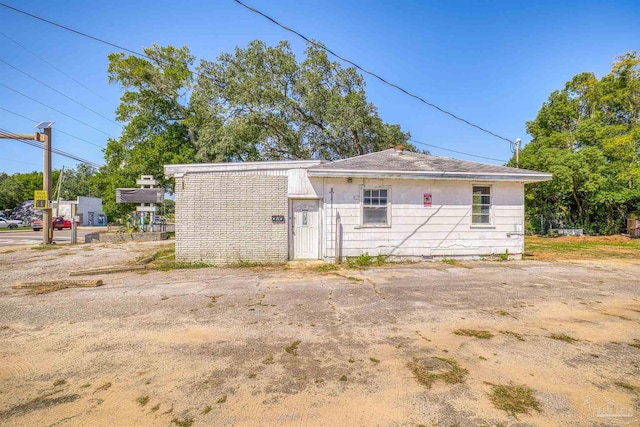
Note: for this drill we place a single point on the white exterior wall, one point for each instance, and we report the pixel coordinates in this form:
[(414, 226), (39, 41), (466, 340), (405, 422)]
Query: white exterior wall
[(85, 205), (442, 230)]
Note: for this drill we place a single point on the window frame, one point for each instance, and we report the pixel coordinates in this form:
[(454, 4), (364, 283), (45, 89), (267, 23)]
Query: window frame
[(363, 207), (490, 215)]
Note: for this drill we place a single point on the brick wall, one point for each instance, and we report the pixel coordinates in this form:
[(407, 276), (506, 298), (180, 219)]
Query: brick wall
[(223, 218)]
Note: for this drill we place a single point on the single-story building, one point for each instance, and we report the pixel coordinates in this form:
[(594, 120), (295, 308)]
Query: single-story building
[(392, 202), (88, 210)]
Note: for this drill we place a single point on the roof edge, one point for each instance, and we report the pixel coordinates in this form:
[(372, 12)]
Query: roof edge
[(529, 177), (239, 166)]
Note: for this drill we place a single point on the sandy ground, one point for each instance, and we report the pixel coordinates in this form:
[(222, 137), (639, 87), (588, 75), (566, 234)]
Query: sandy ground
[(217, 346)]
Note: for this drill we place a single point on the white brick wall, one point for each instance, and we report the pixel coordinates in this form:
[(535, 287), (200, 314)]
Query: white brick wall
[(226, 218)]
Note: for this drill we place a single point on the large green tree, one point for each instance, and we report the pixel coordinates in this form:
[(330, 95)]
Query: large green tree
[(258, 103), (588, 136)]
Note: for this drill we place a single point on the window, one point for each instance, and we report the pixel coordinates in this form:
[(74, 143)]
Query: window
[(481, 207), (375, 205)]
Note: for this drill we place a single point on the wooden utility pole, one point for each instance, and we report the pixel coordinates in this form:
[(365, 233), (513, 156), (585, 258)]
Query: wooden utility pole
[(45, 138)]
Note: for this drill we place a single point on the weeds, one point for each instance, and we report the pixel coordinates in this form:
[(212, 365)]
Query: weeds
[(343, 378), (59, 382), (513, 334), (103, 387), (222, 399), (45, 247), (293, 348), (268, 360), (504, 256), (514, 399), (142, 400), (503, 313), (155, 408), (374, 360), (206, 410), (563, 337), (326, 267), (477, 333), (184, 422), (364, 261), (449, 261), (214, 299), (437, 368), (627, 386)]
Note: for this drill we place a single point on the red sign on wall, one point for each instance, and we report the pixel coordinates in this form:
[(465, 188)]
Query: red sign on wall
[(426, 198)]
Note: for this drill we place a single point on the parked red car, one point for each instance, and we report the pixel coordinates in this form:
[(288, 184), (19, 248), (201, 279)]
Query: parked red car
[(58, 223)]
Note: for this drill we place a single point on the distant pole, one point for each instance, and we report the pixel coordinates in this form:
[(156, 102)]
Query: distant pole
[(518, 152)]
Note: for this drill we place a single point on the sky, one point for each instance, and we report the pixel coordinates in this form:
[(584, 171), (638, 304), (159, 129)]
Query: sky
[(493, 63)]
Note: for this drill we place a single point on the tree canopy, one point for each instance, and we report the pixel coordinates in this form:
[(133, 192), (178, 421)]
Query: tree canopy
[(257, 103), (588, 136)]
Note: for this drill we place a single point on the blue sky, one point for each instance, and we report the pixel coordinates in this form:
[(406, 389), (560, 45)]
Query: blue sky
[(492, 62)]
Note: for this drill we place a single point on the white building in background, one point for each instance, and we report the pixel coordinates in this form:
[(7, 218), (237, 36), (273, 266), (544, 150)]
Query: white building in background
[(394, 203), (89, 210)]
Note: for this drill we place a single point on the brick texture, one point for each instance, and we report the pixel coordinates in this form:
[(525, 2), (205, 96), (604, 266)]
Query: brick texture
[(226, 218)]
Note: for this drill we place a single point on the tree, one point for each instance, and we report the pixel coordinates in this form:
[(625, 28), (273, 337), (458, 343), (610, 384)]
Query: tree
[(588, 136), (258, 103)]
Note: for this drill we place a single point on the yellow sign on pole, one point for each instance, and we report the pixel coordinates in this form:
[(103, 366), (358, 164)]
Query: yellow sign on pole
[(40, 199)]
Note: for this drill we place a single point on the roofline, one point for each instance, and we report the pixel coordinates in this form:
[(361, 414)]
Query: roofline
[(170, 170), (493, 176)]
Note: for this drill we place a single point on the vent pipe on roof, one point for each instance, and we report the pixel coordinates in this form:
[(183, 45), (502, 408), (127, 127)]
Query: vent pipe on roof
[(399, 149)]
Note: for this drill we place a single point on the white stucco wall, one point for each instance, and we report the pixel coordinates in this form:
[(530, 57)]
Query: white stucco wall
[(442, 230)]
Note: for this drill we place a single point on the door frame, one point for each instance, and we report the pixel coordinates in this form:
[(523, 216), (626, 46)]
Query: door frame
[(290, 223)]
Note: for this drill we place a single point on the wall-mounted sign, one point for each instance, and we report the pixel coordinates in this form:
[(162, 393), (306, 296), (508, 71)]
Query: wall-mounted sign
[(40, 199), (426, 199)]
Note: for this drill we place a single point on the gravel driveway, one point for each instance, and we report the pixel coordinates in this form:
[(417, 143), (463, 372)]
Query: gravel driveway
[(297, 347)]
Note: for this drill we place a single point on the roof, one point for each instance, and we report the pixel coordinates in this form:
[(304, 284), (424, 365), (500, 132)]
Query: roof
[(171, 170), (406, 164)]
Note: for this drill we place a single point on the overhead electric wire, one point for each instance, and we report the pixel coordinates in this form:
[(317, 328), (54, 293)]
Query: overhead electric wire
[(455, 151), (59, 70), (53, 150), (372, 74), (56, 110), (57, 129), (72, 30), (58, 92)]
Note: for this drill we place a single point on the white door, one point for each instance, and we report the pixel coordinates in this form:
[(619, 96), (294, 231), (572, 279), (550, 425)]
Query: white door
[(304, 229)]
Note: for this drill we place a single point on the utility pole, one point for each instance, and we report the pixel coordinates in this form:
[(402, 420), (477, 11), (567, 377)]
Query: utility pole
[(45, 138), (518, 152)]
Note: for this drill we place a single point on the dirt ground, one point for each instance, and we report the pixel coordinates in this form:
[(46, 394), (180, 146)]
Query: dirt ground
[(297, 347)]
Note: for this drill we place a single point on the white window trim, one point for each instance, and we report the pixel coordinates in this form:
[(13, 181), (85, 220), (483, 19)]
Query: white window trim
[(491, 210), (375, 187)]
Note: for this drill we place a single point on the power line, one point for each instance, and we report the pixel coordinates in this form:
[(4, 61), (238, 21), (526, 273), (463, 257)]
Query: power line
[(56, 110), (372, 74), (73, 31), (58, 92), (53, 150), (57, 129), (454, 151), (59, 70)]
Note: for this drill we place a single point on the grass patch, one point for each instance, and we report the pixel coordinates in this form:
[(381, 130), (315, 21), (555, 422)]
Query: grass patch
[(183, 422), (57, 383), (477, 333), (103, 387), (635, 344), (214, 299), (206, 410), (343, 378), (269, 360), (155, 408), (87, 385), (142, 400), (514, 399), (580, 247), (437, 368), (374, 360), (45, 247), (563, 337), (513, 334), (326, 267), (449, 261), (503, 313), (293, 348), (627, 386), (222, 399)]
